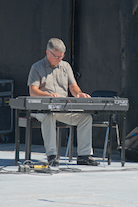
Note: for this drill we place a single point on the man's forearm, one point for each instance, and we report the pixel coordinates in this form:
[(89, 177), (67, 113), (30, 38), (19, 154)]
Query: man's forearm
[(40, 93), (75, 89), (34, 91)]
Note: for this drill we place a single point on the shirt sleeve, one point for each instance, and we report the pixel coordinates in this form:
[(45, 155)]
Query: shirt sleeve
[(71, 78), (33, 78)]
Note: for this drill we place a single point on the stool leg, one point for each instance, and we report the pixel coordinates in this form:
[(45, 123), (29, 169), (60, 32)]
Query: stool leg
[(58, 142), (71, 143)]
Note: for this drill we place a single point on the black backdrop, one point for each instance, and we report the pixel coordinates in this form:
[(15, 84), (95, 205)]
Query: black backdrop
[(101, 39)]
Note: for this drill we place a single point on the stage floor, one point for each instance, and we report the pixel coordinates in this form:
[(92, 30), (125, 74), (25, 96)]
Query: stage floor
[(69, 184)]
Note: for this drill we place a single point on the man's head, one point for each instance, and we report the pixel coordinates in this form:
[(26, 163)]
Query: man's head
[(57, 44), (55, 51)]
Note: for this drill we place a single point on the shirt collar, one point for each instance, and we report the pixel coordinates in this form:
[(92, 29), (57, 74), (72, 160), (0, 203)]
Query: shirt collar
[(48, 65), (46, 62)]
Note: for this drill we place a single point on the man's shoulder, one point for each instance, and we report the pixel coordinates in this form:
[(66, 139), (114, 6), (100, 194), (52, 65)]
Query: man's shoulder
[(64, 63), (39, 63)]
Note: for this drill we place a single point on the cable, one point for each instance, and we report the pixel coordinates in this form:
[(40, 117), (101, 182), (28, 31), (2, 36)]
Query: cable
[(68, 169)]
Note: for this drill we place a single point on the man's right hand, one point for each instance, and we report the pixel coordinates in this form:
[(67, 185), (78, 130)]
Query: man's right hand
[(55, 95), (35, 91)]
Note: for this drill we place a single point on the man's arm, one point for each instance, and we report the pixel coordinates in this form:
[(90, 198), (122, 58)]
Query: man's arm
[(76, 91), (35, 91)]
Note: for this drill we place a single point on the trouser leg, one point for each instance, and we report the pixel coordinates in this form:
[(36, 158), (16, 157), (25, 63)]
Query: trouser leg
[(48, 128), (84, 130)]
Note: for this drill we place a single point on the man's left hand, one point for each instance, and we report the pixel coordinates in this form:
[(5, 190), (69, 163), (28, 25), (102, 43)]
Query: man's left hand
[(83, 95)]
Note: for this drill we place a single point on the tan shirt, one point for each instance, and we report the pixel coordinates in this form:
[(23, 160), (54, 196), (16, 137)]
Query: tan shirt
[(51, 80)]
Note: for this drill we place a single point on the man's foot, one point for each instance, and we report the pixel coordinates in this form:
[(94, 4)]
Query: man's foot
[(87, 160), (52, 160)]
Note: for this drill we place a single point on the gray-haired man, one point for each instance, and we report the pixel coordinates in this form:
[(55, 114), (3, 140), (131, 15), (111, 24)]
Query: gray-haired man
[(52, 77)]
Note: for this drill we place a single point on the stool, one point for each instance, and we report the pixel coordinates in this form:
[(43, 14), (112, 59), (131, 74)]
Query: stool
[(34, 123)]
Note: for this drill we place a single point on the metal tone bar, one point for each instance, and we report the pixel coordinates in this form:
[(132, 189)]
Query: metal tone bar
[(110, 139), (105, 143)]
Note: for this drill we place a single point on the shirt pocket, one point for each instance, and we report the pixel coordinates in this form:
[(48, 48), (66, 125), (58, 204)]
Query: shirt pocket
[(47, 84)]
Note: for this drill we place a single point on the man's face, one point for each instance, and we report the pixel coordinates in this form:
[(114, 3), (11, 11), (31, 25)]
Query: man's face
[(54, 57)]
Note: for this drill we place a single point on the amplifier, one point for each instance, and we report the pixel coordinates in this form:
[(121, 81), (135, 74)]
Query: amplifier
[(6, 113)]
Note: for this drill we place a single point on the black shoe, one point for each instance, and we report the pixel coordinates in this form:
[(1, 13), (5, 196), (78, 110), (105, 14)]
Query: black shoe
[(52, 160), (87, 160)]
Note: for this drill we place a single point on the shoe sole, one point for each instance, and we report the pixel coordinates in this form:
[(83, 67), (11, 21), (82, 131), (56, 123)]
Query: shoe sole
[(90, 164)]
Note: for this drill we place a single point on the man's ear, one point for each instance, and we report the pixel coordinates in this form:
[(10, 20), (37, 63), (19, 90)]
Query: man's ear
[(47, 52)]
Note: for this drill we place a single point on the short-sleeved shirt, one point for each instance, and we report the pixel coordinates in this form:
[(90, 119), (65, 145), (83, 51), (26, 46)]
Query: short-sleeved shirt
[(51, 80)]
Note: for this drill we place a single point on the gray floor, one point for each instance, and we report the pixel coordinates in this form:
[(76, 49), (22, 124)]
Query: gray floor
[(66, 185)]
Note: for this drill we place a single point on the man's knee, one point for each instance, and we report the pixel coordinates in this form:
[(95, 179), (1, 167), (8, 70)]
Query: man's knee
[(49, 117), (89, 117)]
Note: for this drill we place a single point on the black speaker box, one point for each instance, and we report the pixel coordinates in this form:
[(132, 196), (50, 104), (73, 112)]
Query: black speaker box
[(6, 113)]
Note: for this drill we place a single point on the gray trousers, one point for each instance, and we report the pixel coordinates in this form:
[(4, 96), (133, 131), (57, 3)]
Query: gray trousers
[(84, 130)]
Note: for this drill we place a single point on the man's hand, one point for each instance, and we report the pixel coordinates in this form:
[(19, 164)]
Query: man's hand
[(83, 95), (35, 91), (55, 95), (76, 91)]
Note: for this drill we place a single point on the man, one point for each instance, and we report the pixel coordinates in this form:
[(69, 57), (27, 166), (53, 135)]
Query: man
[(53, 77)]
